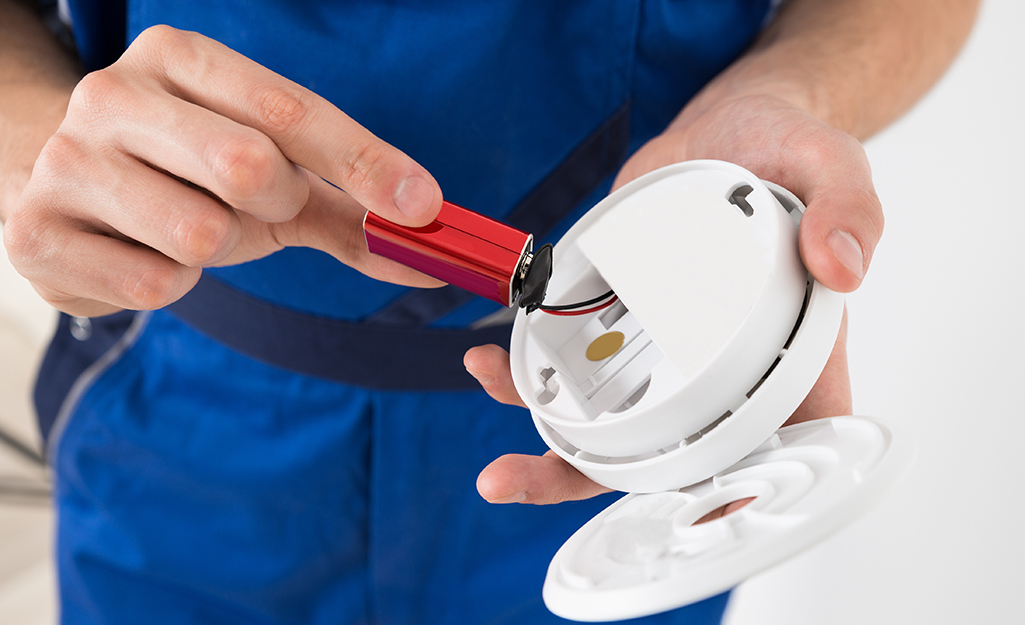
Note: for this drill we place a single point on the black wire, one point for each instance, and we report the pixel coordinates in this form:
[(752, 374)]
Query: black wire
[(580, 304)]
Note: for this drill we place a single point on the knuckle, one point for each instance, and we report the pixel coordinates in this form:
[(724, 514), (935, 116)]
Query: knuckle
[(60, 156), (205, 238), (360, 169), (161, 49), (244, 167), (156, 39), (20, 238), (97, 95), (281, 110), (26, 236), (151, 288), (814, 145), (871, 207), (871, 210), (810, 147)]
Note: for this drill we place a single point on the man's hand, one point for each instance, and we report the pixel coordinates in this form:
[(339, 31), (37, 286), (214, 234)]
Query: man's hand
[(841, 226), (519, 478), (823, 76), (780, 143), (183, 155)]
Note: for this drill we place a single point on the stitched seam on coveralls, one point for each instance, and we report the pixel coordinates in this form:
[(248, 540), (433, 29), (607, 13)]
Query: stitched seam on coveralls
[(86, 380)]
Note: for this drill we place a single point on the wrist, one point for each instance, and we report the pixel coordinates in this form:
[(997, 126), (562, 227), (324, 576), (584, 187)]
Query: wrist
[(855, 65), (36, 79), (755, 77), (29, 115)]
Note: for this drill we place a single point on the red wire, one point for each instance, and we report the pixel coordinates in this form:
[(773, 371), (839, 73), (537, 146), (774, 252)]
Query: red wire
[(573, 313)]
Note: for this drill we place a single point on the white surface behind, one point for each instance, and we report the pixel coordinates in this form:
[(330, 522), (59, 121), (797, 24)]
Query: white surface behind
[(936, 345), (27, 579)]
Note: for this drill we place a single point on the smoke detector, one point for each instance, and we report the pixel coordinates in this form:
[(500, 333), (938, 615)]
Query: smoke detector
[(676, 392)]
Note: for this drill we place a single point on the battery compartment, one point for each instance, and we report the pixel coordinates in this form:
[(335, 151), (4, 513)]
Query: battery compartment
[(570, 448), (572, 386)]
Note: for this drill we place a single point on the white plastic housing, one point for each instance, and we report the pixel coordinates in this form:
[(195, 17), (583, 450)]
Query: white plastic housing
[(704, 259), (724, 335), (644, 554)]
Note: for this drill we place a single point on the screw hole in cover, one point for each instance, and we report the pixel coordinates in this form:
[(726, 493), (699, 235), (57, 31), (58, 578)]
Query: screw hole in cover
[(738, 197), (550, 387)]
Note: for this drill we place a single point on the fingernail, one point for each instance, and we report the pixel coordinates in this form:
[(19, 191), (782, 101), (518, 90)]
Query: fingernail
[(519, 497), (848, 251), (413, 196)]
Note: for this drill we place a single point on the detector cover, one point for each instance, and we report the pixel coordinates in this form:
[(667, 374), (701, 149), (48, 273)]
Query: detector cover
[(644, 555)]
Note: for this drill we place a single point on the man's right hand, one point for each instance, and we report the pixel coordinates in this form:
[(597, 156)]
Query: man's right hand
[(184, 155)]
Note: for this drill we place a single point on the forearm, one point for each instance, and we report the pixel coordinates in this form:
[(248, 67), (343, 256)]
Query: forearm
[(36, 80), (855, 64)]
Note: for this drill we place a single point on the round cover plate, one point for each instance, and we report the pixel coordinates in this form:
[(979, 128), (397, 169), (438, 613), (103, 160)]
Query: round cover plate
[(644, 554)]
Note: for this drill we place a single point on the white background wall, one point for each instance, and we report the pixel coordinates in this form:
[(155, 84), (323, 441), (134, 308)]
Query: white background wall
[(27, 584), (937, 345)]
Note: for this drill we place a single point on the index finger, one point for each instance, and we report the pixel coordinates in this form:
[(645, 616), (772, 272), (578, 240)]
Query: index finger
[(308, 129)]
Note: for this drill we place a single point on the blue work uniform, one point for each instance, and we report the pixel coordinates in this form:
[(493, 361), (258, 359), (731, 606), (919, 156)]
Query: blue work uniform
[(293, 442)]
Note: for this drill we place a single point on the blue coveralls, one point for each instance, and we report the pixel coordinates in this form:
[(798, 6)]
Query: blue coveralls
[(296, 443)]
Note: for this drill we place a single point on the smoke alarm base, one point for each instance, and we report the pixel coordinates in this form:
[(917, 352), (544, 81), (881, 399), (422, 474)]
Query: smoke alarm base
[(644, 554), (717, 337), (713, 298)]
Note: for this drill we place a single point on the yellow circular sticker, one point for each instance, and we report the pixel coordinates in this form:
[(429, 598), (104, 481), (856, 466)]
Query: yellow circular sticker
[(605, 345)]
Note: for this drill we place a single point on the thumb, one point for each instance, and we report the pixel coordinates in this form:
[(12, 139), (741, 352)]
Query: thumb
[(843, 221), (332, 222)]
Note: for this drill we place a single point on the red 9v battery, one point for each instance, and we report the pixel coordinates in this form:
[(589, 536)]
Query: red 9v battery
[(465, 249)]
